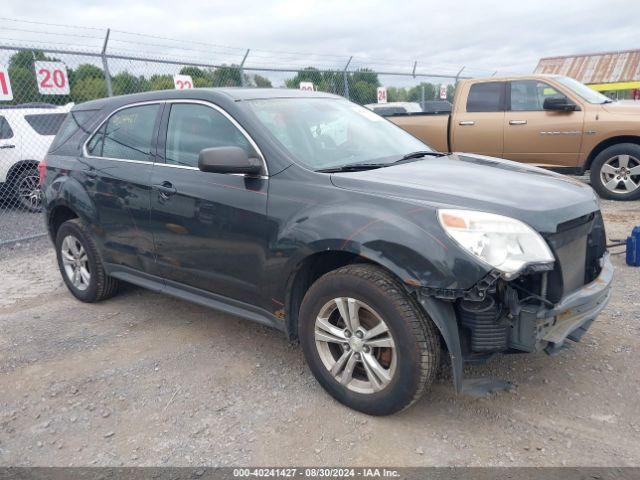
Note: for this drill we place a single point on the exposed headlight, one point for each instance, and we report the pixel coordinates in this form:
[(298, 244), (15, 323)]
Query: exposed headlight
[(502, 242)]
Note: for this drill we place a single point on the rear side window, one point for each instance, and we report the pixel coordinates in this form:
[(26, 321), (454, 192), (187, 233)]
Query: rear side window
[(486, 97), (127, 135), (5, 129), (46, 123), (74, 121)]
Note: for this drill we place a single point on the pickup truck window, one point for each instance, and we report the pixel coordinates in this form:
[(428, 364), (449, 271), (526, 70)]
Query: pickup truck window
[(529, 95), (486, 97), (322, 133), (193, 128)]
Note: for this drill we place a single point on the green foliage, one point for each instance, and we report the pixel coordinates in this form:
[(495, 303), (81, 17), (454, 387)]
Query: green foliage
[(88, 89), (260, 81), (227, 76), (124, 83), (161, 82)]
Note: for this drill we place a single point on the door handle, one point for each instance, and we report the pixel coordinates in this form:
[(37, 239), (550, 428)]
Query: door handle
[(467, 122), (165, 189), (517, 122), (7, 146)]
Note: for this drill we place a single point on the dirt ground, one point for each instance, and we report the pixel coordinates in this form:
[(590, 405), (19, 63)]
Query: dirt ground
[(145, 379)]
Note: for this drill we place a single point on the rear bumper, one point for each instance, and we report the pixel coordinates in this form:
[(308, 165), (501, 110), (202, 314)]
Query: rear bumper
[(575, 312)]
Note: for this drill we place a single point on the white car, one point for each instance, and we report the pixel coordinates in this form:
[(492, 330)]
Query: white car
[(26, 132)]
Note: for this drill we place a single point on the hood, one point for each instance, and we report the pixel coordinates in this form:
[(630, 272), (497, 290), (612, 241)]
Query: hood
[(620, 108), (538, 197)]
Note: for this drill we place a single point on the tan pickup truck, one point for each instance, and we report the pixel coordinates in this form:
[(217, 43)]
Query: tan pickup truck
[(550, 121)]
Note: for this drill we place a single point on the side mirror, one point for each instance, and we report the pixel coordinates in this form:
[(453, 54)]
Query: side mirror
[(228, 160), (559, 104)]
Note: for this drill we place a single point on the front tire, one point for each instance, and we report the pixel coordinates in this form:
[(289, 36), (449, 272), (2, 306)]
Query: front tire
[(366, 341), (80, 264), (615, 172)]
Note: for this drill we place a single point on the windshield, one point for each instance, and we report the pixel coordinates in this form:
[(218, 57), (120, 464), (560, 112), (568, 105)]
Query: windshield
[(583, 91), (323, 133)]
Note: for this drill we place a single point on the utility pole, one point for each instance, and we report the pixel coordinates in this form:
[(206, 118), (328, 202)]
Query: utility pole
[(105, 64), (345, 79)]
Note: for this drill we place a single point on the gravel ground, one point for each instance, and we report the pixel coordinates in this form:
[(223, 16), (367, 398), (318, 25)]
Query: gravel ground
[(16, 223), (145, 379)]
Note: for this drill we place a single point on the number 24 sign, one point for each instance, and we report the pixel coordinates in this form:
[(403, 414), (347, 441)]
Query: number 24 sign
[(52, 78)]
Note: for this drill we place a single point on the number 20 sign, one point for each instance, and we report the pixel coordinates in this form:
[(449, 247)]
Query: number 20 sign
[(52, 78)]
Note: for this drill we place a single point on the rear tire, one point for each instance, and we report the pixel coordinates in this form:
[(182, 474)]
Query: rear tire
[(615, 172), (26, 189), (80, 264), (386, 363)]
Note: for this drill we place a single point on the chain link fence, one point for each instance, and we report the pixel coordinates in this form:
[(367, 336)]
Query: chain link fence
[(38, 86)]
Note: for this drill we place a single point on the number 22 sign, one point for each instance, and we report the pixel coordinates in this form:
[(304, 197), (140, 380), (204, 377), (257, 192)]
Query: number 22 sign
[(182, 82), (5, 85), (52, 78)]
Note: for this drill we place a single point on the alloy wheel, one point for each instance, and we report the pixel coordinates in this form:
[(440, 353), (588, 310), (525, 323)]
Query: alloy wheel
[(75, 262), (29, 193), (621, 174), (355, 345)]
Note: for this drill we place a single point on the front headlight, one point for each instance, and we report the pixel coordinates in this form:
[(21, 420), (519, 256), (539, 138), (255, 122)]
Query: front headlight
[(502, 242)]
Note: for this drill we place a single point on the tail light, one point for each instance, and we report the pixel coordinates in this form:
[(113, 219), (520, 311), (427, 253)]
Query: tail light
[(42, 170)]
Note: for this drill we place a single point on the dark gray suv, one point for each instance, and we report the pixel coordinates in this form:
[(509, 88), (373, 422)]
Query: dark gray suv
[(313, 215)]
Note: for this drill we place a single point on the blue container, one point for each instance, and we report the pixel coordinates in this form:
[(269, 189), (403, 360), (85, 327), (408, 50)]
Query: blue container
[(633, 248)]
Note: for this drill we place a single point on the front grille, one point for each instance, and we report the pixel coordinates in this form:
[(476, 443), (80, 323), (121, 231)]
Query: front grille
[(577, 245)]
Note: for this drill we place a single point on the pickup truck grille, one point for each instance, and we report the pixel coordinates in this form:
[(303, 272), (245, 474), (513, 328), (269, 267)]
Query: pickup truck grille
[(577, 245)]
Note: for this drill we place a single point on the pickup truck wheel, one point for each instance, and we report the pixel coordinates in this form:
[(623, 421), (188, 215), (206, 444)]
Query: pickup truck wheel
[(615, 172), (80, 264), (366, 341)]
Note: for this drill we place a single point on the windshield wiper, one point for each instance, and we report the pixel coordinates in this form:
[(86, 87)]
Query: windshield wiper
[(352, 167), (420, 154)]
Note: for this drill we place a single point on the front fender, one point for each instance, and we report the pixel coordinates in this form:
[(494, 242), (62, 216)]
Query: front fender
[(405, 239)]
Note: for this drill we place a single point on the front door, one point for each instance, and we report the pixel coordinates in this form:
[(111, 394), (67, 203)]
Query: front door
[(116, 173), (210, 229), (535, 135)]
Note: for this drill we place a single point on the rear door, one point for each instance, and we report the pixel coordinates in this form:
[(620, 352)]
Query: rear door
[(116, 173), (535, 135), (210, 229), (478, 126)]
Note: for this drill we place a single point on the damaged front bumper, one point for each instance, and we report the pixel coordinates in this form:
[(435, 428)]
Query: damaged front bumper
[(534, 328), (548, 328)]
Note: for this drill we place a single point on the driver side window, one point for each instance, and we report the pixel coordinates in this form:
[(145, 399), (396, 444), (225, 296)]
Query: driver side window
[(194, 127), (529, 95)]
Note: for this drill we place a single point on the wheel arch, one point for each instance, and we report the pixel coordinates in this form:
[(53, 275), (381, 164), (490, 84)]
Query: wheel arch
[(19, 166), (310, 269), (609, 142)]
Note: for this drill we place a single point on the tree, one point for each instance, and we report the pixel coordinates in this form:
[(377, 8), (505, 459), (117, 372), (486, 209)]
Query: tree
[(260, 81), (88, 89), (124, 83), (200, 76), (161, 82), (308, 74), (227, 76)]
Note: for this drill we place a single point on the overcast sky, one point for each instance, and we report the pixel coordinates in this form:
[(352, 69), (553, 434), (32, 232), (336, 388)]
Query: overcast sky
[(507, 36)]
